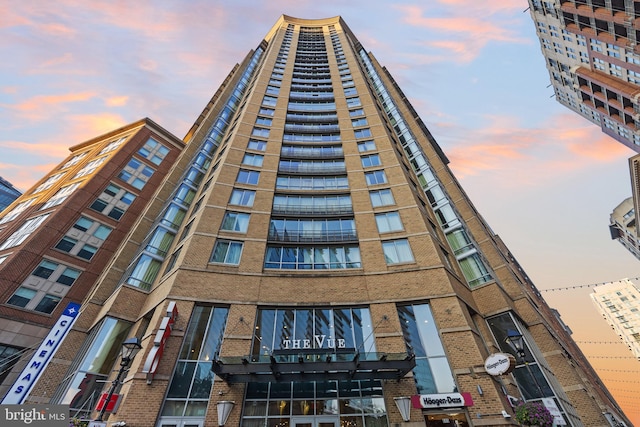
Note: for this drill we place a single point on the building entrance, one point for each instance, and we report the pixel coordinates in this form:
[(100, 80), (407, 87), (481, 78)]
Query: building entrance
[(315, 421)]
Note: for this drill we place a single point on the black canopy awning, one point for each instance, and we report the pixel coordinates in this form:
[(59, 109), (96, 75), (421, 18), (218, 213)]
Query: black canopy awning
[(289, 366)]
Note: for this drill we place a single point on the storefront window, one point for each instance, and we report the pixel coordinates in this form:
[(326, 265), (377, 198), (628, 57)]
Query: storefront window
[(83, 389), (432, 372), (188, 393)]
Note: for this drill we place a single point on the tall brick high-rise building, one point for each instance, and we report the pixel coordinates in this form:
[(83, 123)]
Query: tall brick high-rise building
[(325, 267), (593, 57)]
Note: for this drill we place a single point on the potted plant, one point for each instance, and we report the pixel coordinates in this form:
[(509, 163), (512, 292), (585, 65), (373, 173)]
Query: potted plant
[(534, 414)]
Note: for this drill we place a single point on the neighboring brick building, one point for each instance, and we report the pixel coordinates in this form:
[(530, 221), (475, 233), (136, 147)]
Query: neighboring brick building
[(324, 261), (57, 239)]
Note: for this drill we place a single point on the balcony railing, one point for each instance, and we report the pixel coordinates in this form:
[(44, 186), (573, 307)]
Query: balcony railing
[(311, 152), (313, 236), (312, 210), (309, 128), (310, 168)]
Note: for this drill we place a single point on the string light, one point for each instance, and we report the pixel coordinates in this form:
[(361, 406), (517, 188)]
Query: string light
[(587, 286)]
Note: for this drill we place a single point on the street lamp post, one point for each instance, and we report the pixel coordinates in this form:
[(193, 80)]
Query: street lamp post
[(130, 348), (516, 342)]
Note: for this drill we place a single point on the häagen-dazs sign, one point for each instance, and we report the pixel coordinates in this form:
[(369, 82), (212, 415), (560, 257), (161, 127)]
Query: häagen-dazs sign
[(442, 400), (499, 364)]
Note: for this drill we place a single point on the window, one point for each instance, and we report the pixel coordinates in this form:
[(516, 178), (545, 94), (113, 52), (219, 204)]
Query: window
[(312, 257), (375, 177), (388, 222), (72, 161), (56, 272), (353, 102), (432, 373), (263, 121), (23, 232), (242, 197), (49, 182), (87, 252), (248, 177), (192, 381), (93, 228), (136, 173), (363, 133), (90, 167), (154, 151), (269, 101), (397, 251), (45, 269), (47, 304), (227, 252), (113, 201), (371, 160), (9, 356), (15, 212), (22, 297), (235, 221), (359, 122), (366, 146), (77, 248), (357, 112), (257, 145), (68, 276), (113, 145), (253, 159), (260, 132), (381, 198), (91, 372), (267, 111), (60, 196)]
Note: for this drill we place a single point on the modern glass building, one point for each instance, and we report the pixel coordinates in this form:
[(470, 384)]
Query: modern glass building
[(8, 193), (312, 261)]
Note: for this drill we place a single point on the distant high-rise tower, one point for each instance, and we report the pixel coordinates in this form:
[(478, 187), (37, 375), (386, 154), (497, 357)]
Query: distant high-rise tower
[(619, 304), (622, 226), (8, 193), (593, 57), (311, 260)]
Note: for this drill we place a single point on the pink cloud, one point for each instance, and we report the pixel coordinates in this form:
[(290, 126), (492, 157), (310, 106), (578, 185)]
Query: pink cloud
[(42, 107), (467, 27), (505, 149)]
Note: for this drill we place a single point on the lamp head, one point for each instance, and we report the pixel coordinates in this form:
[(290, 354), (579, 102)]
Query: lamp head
[(130, 348), (516, 342)]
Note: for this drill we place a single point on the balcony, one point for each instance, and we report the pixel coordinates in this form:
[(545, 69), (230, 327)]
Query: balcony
[(312, 210), (308, 236)]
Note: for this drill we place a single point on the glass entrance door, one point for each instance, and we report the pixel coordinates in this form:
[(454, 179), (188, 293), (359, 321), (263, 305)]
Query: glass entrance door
[(315, 421)]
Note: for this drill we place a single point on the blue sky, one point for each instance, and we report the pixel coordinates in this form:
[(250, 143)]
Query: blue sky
[(545, 179)]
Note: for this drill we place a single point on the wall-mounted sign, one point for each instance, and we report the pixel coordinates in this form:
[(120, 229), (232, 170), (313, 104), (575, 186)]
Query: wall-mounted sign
[(155, 354), (42, 356), (318, 341), (499, 364), (443, 400), (550, 404)]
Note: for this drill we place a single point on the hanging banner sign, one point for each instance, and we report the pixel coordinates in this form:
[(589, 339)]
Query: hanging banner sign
[(155, 354), (42, 356)]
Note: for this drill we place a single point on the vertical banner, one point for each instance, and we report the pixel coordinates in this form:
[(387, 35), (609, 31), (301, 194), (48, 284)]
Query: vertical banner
[(42, 356)]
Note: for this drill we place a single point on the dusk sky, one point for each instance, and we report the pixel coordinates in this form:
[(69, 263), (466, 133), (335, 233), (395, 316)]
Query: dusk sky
[(544, 178)]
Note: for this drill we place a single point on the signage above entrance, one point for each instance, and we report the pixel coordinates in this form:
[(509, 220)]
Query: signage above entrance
[(443, 400)]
